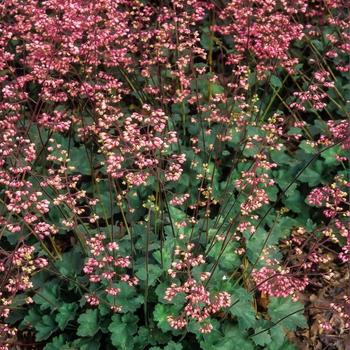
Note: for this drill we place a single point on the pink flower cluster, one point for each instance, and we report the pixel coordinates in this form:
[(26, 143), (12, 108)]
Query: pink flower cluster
[(290, 276), (335, 199), (280, 283), (200, 303), (16, 269), (305, 253), (315, 95), (63, 45), (340, 132), (257, 27), (105, 266), (331, 197), (179, 200), (141, 142), (108, 75), (67, 195), (254, 182)]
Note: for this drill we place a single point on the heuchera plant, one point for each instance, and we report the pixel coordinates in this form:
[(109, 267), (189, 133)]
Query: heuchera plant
[(173, 174)]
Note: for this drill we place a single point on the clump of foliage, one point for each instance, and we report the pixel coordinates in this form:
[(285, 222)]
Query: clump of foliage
[(173, 174)]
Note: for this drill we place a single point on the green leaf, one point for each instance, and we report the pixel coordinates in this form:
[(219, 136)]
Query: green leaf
[(71, 263), (275, 81), (47, 297), (229, 259), (154, 271), (150, 336), (86, 344), (263, 338), (103, 207), (280, 157), (242, 308), (233, 339), (277, 338), (216, 89), (45, 328), (32, 318), (318, 44), (128, 299), (57, 343), (272, 192), (281, 229), (88, 323), (173, 346), (330, 154), (79, 160), (165, 256), (206, 41), (286, 313), (252, 78), (312, 174), (294, 131), (307, 147), (294, 200), (160, 316), (255, 244), (176, 214), (161, 312), (66, 313), (122, 330)]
